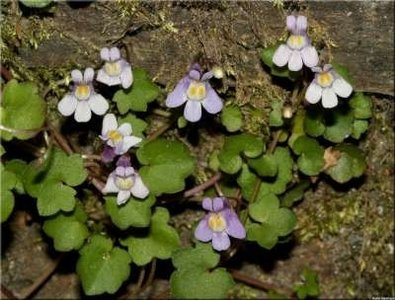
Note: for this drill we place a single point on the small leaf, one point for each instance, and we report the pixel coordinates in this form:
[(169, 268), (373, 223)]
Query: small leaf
[(267, 58), (264, 234), (361, 106), (264, 165), (359, 127), (8, 182), (195, 277), (310, 287), (102, 267), (229, 157), (313, 123), (338, 123), (137, 97), (138, 125), (182, 122), (295, 194), (22, 110), (350, 165), (67, 229), (297, 127), (276, 116), (162, 158), (263, 208), (135, 212), (311, 155), (160, 242), (231, 118), (36, 3)]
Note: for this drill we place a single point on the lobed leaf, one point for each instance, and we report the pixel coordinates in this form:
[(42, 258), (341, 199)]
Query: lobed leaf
[(232, 118)]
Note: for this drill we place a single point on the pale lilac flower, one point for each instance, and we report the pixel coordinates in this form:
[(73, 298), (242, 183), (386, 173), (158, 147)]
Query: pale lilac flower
[(126, 182), (298, 49), (195, 90), (220, 223), (83, 99), (119, 138), (327, 85), (108, 154), (116, 70)]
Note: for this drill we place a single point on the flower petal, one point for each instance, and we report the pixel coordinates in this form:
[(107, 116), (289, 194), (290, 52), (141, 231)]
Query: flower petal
[(76, 75), (193, 111), (103, 77), (122, 197), (213, 103), (327, 67), (194, 74), (128, 142), (67, 105), (110, 185), (109, 123), (218, 203), (301, 24), (207, 204), (108, 154), (203, 232), (234, 228), (281, 56), (125, 129), (83, 112), (179, 95), (221, 241), (115, 54), (207, 76), (295, 61), (310, 56), (342, 87), (313, 93), (105, 54), (329, 98), (139, 190), (126, 77), (291, 23), (120, 171), (98, 104), (129, 171), (89, 74)]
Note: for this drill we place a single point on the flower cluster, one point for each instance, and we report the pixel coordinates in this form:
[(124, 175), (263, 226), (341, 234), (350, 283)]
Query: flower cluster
[(327, 84), (220, 223)]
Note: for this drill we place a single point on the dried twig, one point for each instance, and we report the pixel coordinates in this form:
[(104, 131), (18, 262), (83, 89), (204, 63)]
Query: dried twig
[(202, 186)]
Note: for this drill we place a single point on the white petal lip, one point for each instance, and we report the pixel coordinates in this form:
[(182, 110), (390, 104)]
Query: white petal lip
[(126, 77), (98, 104), (103, 77), (67, 105), (295, 61), (310, 56), (76, 75), (342, 87), (281, 55), (110, 185), (313, 93), (129, 142), (329, 98), (89, 74), (125, 129), (139, 190), (109, 123), (105, 54), (193, 111), (83, 112), (122, 197)]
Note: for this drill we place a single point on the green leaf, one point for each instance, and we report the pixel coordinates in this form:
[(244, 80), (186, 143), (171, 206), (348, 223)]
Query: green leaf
[(297, 127), (67, 229), (338, 124), (138, 125), (195, 277), (295, 194), (102, 267), (262, 209), (350, 165), (182, 122), (162, 158), (2, 150), (160, 242), (36, 3), (311, 155), (342, 71), (22, 109), (135, 212), (137, 97), (313, 123), (310, 287), (264, 234), (361, 106), (229, 157), (8, 182), (50, 183), (267, 58), (264, 165), (231, 118), (19, 168), (359, 127), (276, 116)]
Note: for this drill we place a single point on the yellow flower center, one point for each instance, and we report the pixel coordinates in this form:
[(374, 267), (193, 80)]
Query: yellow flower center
[(196, 91), (82, 92), (216, 222), (124, 183), (325, 79), (113, 68), (296, 41), (114, 135)]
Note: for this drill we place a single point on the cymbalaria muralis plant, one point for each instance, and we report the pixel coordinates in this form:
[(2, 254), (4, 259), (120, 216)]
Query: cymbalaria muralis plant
[(141, 168)]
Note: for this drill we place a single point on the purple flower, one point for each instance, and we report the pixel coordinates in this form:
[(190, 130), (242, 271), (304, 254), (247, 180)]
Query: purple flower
[(83, 99), (119, 138), (220, 223), (116, 70), (126, 182), (327, 85), (298, 49), (195, 90)]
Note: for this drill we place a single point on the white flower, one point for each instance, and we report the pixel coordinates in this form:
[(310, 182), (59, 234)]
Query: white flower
[(119, 138), (83, 99), (116, 70), (327, 85), (126, 182)]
